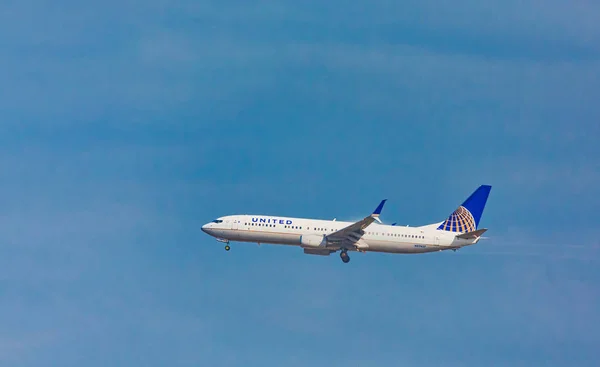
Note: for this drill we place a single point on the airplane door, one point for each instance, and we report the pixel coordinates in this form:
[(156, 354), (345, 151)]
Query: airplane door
[(235, 226), (436, 240)]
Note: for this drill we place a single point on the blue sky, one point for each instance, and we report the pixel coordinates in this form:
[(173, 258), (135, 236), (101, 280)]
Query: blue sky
[(128, 124)]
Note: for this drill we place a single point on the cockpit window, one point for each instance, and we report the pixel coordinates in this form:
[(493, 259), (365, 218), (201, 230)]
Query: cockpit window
[(217, 221)]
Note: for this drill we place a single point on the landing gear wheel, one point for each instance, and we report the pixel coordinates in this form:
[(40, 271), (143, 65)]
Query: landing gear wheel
[(227, 248), (344, 256)]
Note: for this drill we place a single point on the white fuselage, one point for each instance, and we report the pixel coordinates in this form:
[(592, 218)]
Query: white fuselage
[(288, 231)]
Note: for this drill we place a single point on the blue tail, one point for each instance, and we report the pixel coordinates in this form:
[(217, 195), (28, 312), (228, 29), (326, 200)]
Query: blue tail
[(466, 217)]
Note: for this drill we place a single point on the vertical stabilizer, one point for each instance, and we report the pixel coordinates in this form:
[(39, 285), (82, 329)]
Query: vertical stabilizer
[(466, 218)]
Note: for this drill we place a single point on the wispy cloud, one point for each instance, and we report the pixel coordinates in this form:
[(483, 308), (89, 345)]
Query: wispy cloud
[(126, 125)]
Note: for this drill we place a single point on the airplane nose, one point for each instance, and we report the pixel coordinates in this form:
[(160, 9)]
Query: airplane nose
[(204, 228)]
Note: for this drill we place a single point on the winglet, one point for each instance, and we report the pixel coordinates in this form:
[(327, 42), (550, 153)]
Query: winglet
[(379, 208)]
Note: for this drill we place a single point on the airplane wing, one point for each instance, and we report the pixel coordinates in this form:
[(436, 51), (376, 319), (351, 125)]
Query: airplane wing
[(350, 236)]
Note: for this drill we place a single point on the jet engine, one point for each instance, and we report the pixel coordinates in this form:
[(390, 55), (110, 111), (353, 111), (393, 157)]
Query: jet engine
[(313, 241)]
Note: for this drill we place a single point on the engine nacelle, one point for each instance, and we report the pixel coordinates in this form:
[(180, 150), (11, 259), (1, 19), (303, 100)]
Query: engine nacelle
[(313, 240)]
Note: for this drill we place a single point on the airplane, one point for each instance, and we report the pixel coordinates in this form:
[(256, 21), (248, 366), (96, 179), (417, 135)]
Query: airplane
[(324, 237)]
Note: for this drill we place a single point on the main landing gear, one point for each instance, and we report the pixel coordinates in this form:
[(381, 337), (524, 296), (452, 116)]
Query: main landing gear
[(344, 256)]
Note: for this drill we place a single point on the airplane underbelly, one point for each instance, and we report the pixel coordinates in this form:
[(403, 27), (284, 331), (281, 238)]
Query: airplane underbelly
[(400, 248)]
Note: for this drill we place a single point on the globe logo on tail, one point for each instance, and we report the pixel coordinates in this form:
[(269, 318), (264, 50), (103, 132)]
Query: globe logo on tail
[(460, 221)]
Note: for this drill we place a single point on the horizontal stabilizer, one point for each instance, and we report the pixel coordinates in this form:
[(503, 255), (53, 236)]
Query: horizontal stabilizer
[(472, 235)]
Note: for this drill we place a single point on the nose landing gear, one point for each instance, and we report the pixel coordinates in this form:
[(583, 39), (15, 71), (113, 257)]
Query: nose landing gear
[(344, 256), (226, 242)]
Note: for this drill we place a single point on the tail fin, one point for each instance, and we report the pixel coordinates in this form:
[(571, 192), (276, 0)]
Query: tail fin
[(466, 217)]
